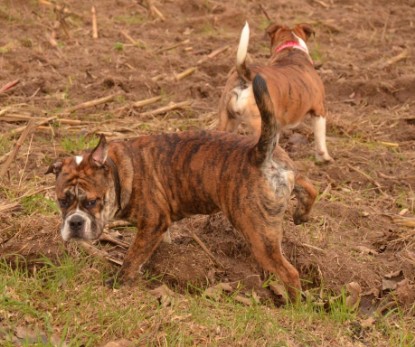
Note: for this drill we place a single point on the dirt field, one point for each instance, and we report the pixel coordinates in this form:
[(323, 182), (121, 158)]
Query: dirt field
[(362, 226)]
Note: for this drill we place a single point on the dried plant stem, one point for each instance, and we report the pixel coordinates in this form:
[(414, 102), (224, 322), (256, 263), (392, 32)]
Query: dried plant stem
[(167, 108), (205, 249), (92, 250), (90, 103), (28, 129), (9, 86), (185, 73), (22, 117), (213, 54), (94, 23)]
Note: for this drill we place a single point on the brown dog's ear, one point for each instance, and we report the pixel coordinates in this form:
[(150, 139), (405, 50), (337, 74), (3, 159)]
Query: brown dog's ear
[(55, 168), (307, 29), (100, 152), (272, 29)]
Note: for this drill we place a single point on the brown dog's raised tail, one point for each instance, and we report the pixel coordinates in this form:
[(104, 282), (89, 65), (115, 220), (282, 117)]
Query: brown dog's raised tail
[(263, 150), (241, 68)]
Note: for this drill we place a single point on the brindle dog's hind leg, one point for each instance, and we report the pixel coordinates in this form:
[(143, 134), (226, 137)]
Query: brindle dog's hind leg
[(264, 238)]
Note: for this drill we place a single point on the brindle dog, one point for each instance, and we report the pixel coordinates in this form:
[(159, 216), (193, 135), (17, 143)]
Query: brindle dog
[(155, 180)]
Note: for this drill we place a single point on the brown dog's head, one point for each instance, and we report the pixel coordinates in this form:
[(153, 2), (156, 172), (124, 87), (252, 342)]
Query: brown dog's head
[(279, 34), (85, 192)]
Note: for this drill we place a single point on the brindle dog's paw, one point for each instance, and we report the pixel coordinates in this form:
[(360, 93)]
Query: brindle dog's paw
[(300, 218)]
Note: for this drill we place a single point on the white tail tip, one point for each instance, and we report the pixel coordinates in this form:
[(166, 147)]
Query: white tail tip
[(243, 45)]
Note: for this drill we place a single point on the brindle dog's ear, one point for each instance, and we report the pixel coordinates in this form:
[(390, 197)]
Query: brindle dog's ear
[(272, 29), (307, 29), (55, 168), (100, 152)]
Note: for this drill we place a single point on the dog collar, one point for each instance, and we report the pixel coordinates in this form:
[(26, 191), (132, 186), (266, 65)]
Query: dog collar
[(117, 183), (296, 45)]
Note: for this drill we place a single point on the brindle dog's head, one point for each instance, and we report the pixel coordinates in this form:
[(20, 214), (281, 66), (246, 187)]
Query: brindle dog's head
[(85, 192), (279, 34)]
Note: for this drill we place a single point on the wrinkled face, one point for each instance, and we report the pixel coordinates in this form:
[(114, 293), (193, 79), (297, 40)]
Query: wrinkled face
[(279, 34), (86, 196)]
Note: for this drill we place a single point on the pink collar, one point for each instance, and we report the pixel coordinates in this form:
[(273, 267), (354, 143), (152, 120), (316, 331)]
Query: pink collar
[(293, 44)]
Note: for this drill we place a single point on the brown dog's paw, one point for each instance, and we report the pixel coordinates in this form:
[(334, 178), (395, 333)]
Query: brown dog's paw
[(324, 159)]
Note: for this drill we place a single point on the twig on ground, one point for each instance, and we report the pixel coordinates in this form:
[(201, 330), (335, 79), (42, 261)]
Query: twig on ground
[(370, 179), (396, 59), (394, 178), (312, 247), (105, 236), (28, 129), (139, 104), (94, 23), (92, 250), (205, 249), (90, 103), (7, 207), (22, 117), (9, 86), (325, 192), (164, 109), (264, 11), (185, 73), (25, 163), (185, 42), (37, 125), (212, 54), (129, 38), (154, 11)]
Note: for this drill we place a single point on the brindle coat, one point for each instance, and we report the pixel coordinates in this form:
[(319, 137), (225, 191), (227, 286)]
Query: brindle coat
[(155, 180)]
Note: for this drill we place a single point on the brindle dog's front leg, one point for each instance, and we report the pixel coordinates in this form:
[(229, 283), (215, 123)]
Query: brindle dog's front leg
[(143, 246)]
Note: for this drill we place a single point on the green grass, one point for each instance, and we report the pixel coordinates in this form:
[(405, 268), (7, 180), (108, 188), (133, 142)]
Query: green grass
[(68, 300), (119, 46), (39, 204), (5, 145), (78, 143), (133, 19)]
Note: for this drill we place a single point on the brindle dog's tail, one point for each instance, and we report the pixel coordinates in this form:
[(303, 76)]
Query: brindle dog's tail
[(241, 68), (264, 149)]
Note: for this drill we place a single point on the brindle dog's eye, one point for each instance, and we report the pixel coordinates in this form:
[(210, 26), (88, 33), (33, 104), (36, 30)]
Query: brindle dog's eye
[(64, 203), (90, 203)]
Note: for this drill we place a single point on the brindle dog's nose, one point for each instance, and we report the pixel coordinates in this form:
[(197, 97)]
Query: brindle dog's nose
[(76, 224)]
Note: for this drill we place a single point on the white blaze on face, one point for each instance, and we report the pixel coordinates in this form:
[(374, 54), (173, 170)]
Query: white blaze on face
[(301, 43), (78, 159)]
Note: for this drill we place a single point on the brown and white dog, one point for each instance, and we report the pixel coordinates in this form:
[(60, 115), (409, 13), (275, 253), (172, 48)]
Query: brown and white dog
[(155, 180), (295, 87)]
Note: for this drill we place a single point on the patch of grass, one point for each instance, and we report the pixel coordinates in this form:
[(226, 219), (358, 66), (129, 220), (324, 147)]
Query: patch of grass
[(78, 143), (264, 23), (119, 46), (132, 19), (39, 204), (208, 30), (67, 299), (315, 53), (5, 145), (8, 47)]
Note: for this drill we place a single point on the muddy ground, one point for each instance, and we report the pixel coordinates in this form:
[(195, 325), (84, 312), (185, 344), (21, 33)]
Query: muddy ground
[(362, 226)]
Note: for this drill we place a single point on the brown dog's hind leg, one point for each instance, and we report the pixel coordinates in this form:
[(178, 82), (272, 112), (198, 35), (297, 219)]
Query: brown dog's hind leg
[(306, 195)]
